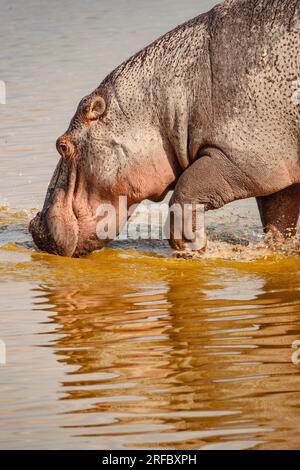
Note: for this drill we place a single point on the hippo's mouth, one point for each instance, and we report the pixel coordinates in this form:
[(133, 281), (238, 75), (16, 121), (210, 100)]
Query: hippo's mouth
[(53, 235), (66, 225)]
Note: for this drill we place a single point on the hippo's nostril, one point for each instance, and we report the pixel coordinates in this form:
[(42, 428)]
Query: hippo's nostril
[(65, 147)]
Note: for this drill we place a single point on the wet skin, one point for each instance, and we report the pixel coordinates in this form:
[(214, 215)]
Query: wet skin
[(191, 112)]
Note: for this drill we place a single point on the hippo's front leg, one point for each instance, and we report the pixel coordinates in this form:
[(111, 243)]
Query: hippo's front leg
[(212, 181)]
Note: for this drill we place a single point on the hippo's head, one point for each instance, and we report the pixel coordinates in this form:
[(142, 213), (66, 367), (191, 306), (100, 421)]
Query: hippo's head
[(113, 148)]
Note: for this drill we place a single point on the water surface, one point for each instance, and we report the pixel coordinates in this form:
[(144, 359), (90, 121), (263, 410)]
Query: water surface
[(129, 347)]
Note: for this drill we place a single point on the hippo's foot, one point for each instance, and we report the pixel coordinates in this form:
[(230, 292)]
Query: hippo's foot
[(276, 242), (187, 254), (190, 250), (274, 239), (279, 214)]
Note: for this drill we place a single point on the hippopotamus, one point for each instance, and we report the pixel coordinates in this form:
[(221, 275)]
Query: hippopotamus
[(209, 110)]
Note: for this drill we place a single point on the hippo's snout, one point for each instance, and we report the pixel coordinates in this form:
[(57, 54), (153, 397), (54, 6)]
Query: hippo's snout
[(55, 232), (41, 234), (55, 228)]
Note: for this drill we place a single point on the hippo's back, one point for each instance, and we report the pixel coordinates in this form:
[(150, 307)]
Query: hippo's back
[(255, 68)]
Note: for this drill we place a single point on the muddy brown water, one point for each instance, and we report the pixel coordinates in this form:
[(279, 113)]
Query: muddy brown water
[(129, 347)]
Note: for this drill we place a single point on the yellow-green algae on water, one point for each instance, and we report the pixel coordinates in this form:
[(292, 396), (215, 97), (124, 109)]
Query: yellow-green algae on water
[(129, 347), (132, 348)]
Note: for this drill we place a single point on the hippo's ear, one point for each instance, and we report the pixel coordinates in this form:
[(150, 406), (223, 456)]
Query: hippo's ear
[(96, 108)]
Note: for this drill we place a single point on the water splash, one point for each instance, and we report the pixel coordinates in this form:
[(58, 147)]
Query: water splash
[(231, 236)]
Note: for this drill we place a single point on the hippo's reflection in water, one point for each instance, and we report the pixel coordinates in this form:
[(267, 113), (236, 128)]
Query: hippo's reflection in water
[(169, 354)]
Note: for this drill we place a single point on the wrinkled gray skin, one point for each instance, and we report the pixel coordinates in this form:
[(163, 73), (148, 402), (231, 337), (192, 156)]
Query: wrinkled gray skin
[(205, 110)]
